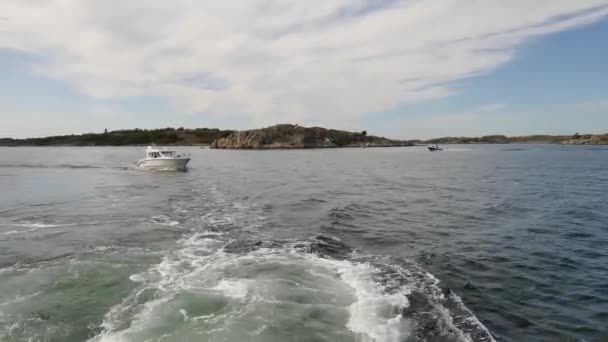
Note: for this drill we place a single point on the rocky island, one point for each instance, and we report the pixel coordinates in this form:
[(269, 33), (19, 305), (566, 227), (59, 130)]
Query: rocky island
[(287, 136)]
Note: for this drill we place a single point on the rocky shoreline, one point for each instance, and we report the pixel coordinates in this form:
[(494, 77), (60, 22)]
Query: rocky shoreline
[(587, 139), (287, 136)]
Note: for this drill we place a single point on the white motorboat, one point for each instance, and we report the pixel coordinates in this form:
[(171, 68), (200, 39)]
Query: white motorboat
[(163, 159)]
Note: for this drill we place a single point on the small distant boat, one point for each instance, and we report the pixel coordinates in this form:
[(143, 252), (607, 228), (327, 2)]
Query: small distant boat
[(434, 148), (163, 159)]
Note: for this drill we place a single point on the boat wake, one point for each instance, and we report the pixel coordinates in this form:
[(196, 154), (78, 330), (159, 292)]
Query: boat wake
[(456, 149), (220, 284), (50, 166)]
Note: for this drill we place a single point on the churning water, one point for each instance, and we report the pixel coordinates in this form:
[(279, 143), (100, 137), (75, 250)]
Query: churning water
[(476, 243)]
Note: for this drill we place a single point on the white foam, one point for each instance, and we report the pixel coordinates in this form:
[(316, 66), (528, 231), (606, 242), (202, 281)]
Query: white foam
[(259, 330), (184, 313), (234, 288), (164, 220), (125, 250), (137, 278), (37, 225), (13, 232), (430, 287), (201, 266), (472, 319), (33, 227), (375, 315), (457, 149), (139, 323)]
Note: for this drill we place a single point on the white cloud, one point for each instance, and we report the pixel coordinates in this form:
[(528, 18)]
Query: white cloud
[(275, 61)]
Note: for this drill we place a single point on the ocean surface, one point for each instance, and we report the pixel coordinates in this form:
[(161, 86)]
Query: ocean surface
[(475, 243)]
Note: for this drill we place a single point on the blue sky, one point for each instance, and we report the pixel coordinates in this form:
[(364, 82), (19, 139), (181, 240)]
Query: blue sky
[(556, 84), (385, 67)]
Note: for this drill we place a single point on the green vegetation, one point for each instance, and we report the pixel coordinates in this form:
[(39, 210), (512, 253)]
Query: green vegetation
[(163, 136), (279, 136), (576, 139), (488, 139)]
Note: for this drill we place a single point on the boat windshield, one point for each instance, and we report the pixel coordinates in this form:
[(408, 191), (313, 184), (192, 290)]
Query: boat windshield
[(167, 153), (162, 154), (159, 154)]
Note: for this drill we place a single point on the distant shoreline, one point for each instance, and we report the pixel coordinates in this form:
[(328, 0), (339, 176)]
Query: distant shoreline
[(285, 136), (312, 148), (576, 139), (209, 146), (130, 145)]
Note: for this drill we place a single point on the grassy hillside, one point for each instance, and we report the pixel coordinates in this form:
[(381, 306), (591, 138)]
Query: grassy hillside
[(164, 136)]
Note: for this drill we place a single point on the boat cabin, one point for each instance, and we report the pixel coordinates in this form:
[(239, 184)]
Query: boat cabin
[(154, 153), (161, 154)]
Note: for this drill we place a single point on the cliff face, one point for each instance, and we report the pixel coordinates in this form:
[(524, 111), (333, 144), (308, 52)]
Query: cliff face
[(288, 136)]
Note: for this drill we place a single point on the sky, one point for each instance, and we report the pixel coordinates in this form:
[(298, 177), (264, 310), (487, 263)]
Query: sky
[(410, 69)]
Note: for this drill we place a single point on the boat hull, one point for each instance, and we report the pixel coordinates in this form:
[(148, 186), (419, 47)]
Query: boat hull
[(164, 164)]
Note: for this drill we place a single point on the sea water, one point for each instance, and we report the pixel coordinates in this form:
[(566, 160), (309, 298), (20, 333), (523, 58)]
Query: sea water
[(475, 243)]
